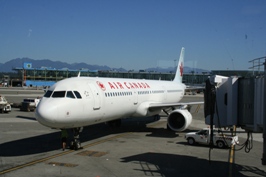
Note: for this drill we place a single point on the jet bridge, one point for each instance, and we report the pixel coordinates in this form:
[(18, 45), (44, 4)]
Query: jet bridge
[(233, 101), (239, 101)]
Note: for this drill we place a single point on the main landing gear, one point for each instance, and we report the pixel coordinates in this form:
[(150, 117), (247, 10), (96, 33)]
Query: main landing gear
[(115, 123), (75, 143)]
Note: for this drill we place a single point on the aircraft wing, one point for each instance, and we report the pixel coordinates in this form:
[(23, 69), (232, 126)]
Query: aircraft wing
[(166, 105), (195, 87), (189, 89)]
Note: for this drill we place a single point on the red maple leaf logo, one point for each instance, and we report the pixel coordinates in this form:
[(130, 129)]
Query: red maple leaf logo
[(181, 69), (101, 85)]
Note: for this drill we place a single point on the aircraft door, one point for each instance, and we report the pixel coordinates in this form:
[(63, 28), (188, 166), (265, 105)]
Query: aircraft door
[(96, 96), (135, 97), (164, 94)]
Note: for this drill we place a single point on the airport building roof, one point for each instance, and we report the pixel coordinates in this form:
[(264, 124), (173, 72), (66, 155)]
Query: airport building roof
[(241, 73)]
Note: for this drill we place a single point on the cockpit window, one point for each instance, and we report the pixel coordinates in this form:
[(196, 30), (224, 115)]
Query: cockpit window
[(59, 94), (70, 94), (77, 94), (62, 94), (48, 93)]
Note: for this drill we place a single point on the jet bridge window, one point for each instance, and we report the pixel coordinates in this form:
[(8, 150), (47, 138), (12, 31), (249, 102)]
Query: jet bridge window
[(48, 93), (70, 94), (59, 94)]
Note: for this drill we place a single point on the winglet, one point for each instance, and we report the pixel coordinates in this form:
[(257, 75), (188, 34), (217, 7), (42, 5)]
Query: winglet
[(180, 67)]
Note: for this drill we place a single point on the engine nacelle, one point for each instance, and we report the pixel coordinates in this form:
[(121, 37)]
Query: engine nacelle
[(179, 119)]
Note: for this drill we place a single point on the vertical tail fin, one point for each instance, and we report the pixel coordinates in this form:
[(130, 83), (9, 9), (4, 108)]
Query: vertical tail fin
[(180, 67)]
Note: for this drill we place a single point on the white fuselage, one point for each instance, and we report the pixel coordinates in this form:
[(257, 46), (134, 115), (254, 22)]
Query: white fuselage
[(103, 99)]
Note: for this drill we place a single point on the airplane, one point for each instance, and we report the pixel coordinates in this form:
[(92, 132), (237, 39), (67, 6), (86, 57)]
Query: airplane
[(76, 102)]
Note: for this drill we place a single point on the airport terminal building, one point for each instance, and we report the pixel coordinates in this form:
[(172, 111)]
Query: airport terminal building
[(47, 76)]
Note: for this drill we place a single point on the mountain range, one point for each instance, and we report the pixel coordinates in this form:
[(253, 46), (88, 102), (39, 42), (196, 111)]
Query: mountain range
[(19, 62)]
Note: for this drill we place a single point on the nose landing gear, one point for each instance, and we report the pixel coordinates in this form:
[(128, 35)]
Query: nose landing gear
[(75, 143)]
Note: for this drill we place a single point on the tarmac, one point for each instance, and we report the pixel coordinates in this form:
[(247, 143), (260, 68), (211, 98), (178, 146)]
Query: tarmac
[(140, 147)]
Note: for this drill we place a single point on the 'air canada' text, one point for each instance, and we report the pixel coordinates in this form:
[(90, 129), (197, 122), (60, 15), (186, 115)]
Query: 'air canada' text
[(128, 85)]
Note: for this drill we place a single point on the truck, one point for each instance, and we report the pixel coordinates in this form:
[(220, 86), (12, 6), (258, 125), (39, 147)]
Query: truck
[(5, 107), (203, 137), (29, 104)]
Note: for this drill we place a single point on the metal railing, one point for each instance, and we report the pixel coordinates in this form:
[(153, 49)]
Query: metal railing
[(258, 65)]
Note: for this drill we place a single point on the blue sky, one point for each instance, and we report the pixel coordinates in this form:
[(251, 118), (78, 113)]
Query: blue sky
[(135, 34)]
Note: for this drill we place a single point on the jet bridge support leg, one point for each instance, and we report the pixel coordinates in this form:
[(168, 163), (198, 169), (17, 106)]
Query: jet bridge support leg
[(264, 143), (264, 121)]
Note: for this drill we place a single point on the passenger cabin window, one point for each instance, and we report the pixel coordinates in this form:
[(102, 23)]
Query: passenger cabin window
[(59, 94), (48, 93), (77, 94), (70, 94)]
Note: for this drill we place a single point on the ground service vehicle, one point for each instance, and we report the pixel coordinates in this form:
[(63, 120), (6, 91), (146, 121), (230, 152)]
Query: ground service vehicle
[(4, 105), (203, 137), (29, 104)]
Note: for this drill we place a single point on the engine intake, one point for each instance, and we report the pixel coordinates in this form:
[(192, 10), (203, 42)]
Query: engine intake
[(179, 119)]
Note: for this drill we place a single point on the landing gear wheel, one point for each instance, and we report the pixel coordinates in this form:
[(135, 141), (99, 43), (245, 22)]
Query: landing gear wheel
[(75, 144), (156, 117)]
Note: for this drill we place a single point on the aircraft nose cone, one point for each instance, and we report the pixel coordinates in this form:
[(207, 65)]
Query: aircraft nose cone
[(46, 114)]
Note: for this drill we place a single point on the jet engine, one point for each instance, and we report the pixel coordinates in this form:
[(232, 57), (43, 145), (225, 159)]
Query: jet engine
[(179, 119)]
